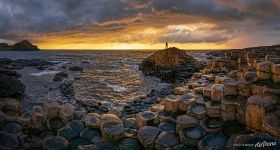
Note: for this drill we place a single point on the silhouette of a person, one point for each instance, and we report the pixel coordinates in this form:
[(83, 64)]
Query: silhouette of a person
[(166, 45)]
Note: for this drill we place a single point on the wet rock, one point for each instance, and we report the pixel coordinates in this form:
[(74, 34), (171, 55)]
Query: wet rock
[(76, 68), (92, 120), (129, 144), (111, 127), (67, 112), (60, 76), (113, 132), (166, 140), (55, 143), (146, 118), (51, 109), (198, 111), (78, 142), (213, 141), (233, 127), (169, 65), (147, 136), (190, 136), (91, 135), (167, 127), (76, 126), (11, 87), (271, 124), (38, 115), (104, 145), (211, 125), (186, 121), (67, 133), (8, 140), (30, 142), (257, 108), (55, 123), (12, 105), (13, 128)]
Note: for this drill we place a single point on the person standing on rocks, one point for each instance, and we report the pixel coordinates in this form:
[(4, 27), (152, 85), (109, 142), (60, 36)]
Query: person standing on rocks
[(166, 45)]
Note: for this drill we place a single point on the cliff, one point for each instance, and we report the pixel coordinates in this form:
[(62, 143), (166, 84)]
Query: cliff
[(170, 65), (20, 46)]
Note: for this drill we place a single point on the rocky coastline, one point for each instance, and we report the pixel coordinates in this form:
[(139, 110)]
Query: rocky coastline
[(19, 46), (232, 101)]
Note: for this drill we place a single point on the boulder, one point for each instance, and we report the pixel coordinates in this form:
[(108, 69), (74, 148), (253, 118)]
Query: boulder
[(92, 120), (30, 142), (166, 140), (12, 105), (185, 121), (257, 108), (51, 109), (8, 140), (38, 115), (217, 92), (146, 118), (67, 112), (55, 143), (77, 126), (111, 127), (147, 136), (55, 123), (67, 133), (10, 86), (129, 144), (91, 135), (60, 76), (13, 128), (244, 87)]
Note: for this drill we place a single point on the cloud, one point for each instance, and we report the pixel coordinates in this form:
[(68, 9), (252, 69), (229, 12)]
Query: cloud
[(128, 20)]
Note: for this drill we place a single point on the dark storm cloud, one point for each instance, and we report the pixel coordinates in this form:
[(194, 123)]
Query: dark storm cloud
[(19, 18)]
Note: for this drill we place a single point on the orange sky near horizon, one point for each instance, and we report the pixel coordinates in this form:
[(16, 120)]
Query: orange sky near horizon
[(140, 24)]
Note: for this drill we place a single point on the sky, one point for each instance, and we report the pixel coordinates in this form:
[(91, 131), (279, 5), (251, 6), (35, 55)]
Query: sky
[(140, 24)]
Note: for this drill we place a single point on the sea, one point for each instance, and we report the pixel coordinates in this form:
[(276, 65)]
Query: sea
[(111, 77)]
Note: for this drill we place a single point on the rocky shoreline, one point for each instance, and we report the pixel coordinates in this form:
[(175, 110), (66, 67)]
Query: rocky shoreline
[(233, 101)]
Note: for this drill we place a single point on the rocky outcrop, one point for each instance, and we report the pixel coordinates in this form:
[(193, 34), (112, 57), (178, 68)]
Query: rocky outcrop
[(170, 65), (10, 86), (20, 46)]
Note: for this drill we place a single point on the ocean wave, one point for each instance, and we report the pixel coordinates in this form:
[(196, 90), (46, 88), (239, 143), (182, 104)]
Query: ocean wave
[(46, 72)]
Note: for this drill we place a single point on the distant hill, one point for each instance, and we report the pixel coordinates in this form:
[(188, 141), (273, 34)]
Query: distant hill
[(20, 46)]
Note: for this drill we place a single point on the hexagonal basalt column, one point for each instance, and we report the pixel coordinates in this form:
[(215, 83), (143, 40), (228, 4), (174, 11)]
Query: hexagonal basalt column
[(146, 118), (171, 103), (166, 140), (51, 109), (257, 107), (186, 121), (67, 112), (213, 109), (217, 92), (147, 136), (190, 136)]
